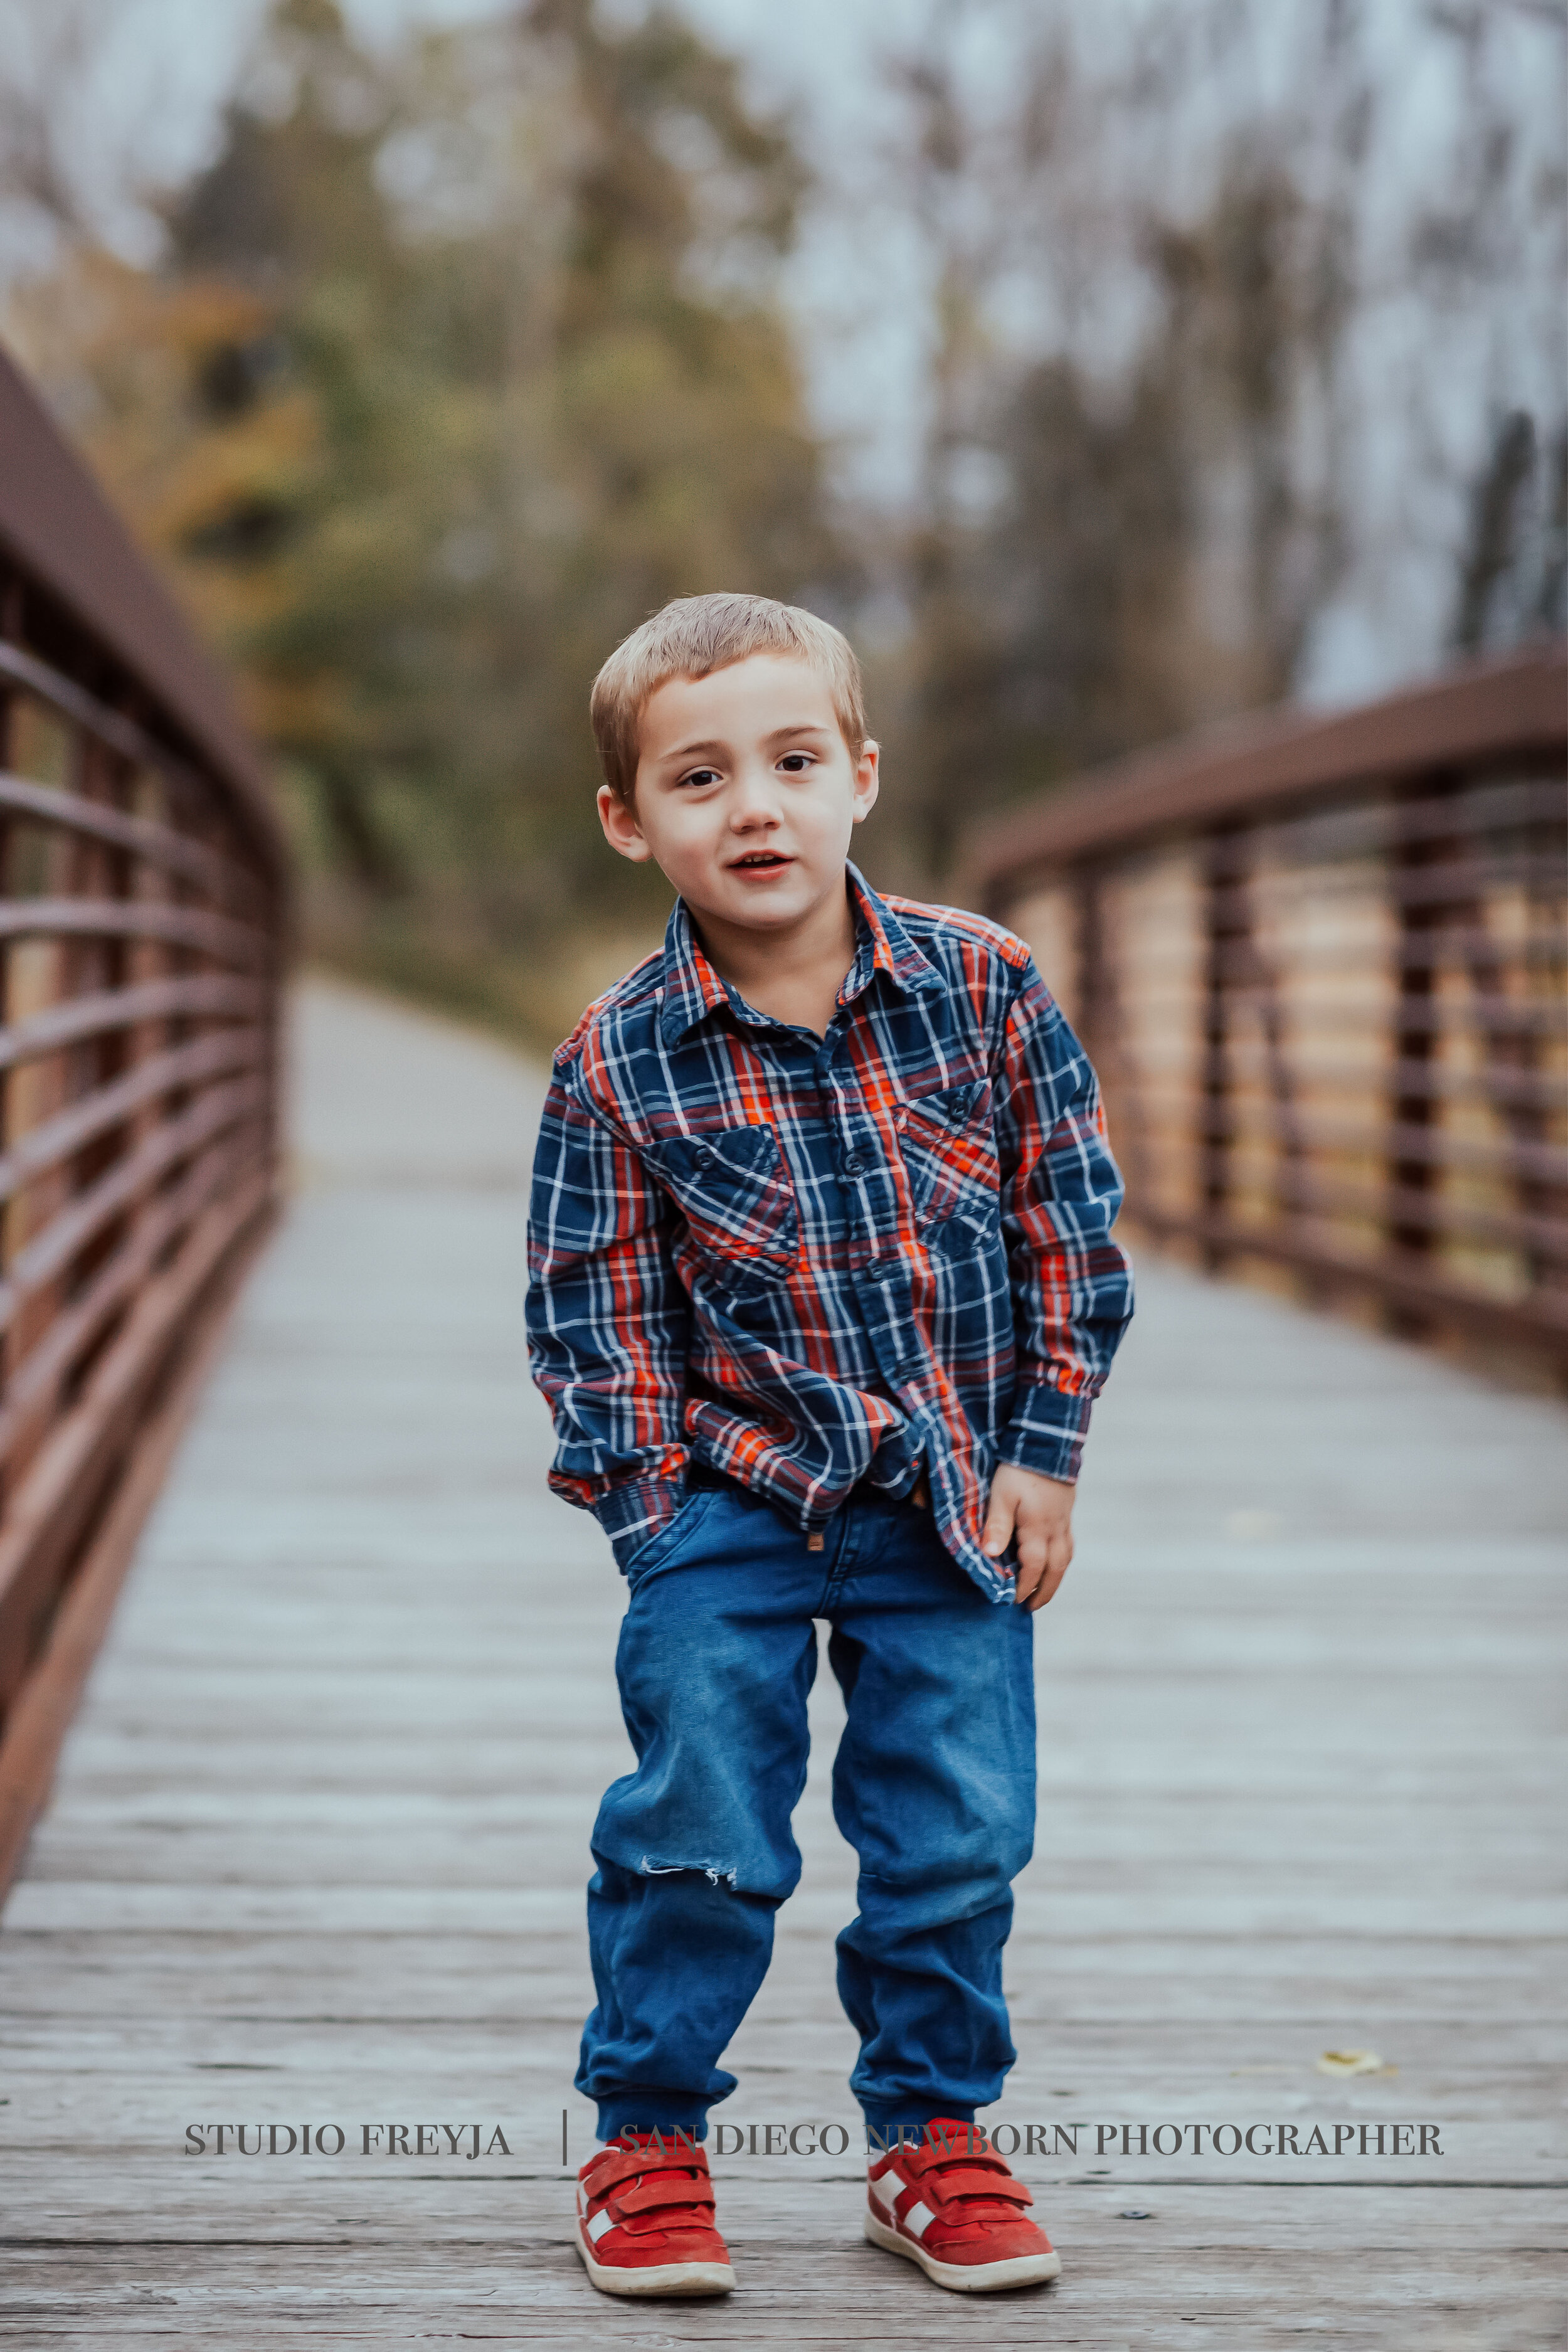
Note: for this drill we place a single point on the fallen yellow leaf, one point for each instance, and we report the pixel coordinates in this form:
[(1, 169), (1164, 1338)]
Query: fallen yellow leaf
[(1354, 2061)]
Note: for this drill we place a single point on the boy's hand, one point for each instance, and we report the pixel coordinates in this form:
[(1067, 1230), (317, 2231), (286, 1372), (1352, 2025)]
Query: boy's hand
[(1038, 1511)]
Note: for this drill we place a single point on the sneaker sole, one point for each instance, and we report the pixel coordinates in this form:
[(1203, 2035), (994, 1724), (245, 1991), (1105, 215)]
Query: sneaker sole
[(658, 2278), (968, 2278)]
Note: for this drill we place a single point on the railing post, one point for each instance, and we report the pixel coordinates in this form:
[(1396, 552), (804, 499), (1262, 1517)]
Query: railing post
[(1413, 1176), (12, 610), (10, 627), (1225, 929), (1094, 1008), (1101, 1021)]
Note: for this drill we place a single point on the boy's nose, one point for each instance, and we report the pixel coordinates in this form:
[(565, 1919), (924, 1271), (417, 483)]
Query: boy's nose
[(754, 803)]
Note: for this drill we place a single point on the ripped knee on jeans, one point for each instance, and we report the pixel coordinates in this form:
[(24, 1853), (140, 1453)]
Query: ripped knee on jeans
[(713, 1871)]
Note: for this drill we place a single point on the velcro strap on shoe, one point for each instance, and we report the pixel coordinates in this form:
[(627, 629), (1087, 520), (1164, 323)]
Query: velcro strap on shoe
[(971, 2180), (625, 2163), (664, 2189), (916, 2162)]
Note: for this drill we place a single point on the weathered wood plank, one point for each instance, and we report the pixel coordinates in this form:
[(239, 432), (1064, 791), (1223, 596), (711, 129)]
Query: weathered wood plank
[(1121, 2292), (319, 1842)]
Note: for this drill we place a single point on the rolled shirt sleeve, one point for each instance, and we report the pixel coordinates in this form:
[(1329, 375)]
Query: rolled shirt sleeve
[(608, 1321)]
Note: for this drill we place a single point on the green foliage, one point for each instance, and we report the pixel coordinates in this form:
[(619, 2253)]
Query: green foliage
[(459, 365)]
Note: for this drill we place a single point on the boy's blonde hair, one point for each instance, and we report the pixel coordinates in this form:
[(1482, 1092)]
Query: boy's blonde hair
[(693, 636)]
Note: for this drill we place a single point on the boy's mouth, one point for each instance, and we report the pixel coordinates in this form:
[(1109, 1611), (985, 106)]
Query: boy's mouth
[(760, 861)]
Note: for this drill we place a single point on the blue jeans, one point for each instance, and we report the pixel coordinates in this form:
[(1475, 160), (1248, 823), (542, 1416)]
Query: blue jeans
[(933, 1785)]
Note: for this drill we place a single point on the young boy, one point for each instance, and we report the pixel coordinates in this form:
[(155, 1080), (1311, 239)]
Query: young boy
[(822, 1284)]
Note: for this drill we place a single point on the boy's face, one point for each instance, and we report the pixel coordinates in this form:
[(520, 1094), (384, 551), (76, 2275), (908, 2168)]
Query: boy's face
[(747, 793)]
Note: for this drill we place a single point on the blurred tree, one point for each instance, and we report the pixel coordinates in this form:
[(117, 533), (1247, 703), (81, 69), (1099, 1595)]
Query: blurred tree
[(1132, 532), (1242, 340), (1185, 292), (1491, 552), (459, 363)]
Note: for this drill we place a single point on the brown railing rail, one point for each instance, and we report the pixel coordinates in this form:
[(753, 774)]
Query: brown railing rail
[(1319, 963), (143, 910)]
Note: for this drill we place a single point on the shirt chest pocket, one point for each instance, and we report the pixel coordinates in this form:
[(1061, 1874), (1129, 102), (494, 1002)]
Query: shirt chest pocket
[(734, 1190), (949, 1154)]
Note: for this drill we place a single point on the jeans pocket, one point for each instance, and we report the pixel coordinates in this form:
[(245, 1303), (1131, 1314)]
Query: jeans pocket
[(669, 1539)]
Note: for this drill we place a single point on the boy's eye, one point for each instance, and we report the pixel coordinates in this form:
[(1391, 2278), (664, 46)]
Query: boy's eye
[(701, 776), (795, 763)]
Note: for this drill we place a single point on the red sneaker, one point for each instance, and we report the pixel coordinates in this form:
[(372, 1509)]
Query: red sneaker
[(644, 2219), (959, 2215)]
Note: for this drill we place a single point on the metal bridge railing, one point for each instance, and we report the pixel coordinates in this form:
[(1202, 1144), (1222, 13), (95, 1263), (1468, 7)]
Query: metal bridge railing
[(1320, 963), (143, 908)]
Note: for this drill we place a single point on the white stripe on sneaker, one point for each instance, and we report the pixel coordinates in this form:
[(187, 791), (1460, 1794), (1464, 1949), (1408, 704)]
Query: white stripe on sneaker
[(918, 2220), (886, 2191), (600, 2223)]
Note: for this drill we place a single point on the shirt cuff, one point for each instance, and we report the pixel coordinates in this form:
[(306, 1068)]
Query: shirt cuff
[(633, 1510), (1047, 1434)]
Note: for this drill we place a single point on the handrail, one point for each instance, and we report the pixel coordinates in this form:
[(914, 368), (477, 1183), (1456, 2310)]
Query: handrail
[(107, 918), (116, 1280), (1287, 762), (99, 1014), (1319, 963), (146, 672), (107, 725), (158, 845), (144, 916), (171, 1144), (111, 1106)]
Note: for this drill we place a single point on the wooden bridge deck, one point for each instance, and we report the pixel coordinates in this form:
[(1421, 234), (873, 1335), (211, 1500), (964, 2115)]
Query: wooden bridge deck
[(317, 1848)]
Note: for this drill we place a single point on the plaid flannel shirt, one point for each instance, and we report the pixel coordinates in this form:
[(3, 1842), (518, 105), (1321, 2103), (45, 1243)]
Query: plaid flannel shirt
[(811, 1261)]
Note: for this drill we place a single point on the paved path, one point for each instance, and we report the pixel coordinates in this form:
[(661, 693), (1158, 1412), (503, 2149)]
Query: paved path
[(317, 1850)]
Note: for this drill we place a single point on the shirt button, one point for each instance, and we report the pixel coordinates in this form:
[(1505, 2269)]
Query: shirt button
[(854, 1165), (705, 1158)]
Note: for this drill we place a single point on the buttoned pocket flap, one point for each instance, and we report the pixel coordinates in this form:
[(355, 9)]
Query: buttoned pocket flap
[(734, 1188), (950, 1152)]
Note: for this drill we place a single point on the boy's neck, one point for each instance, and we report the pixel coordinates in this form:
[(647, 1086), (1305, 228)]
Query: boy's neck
[(794, 973)]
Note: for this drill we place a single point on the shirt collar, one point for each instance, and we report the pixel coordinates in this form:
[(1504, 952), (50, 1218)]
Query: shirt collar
[(692, 988)]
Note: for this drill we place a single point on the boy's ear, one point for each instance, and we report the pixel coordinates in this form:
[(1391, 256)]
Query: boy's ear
[(867, 778), (622, 830)]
